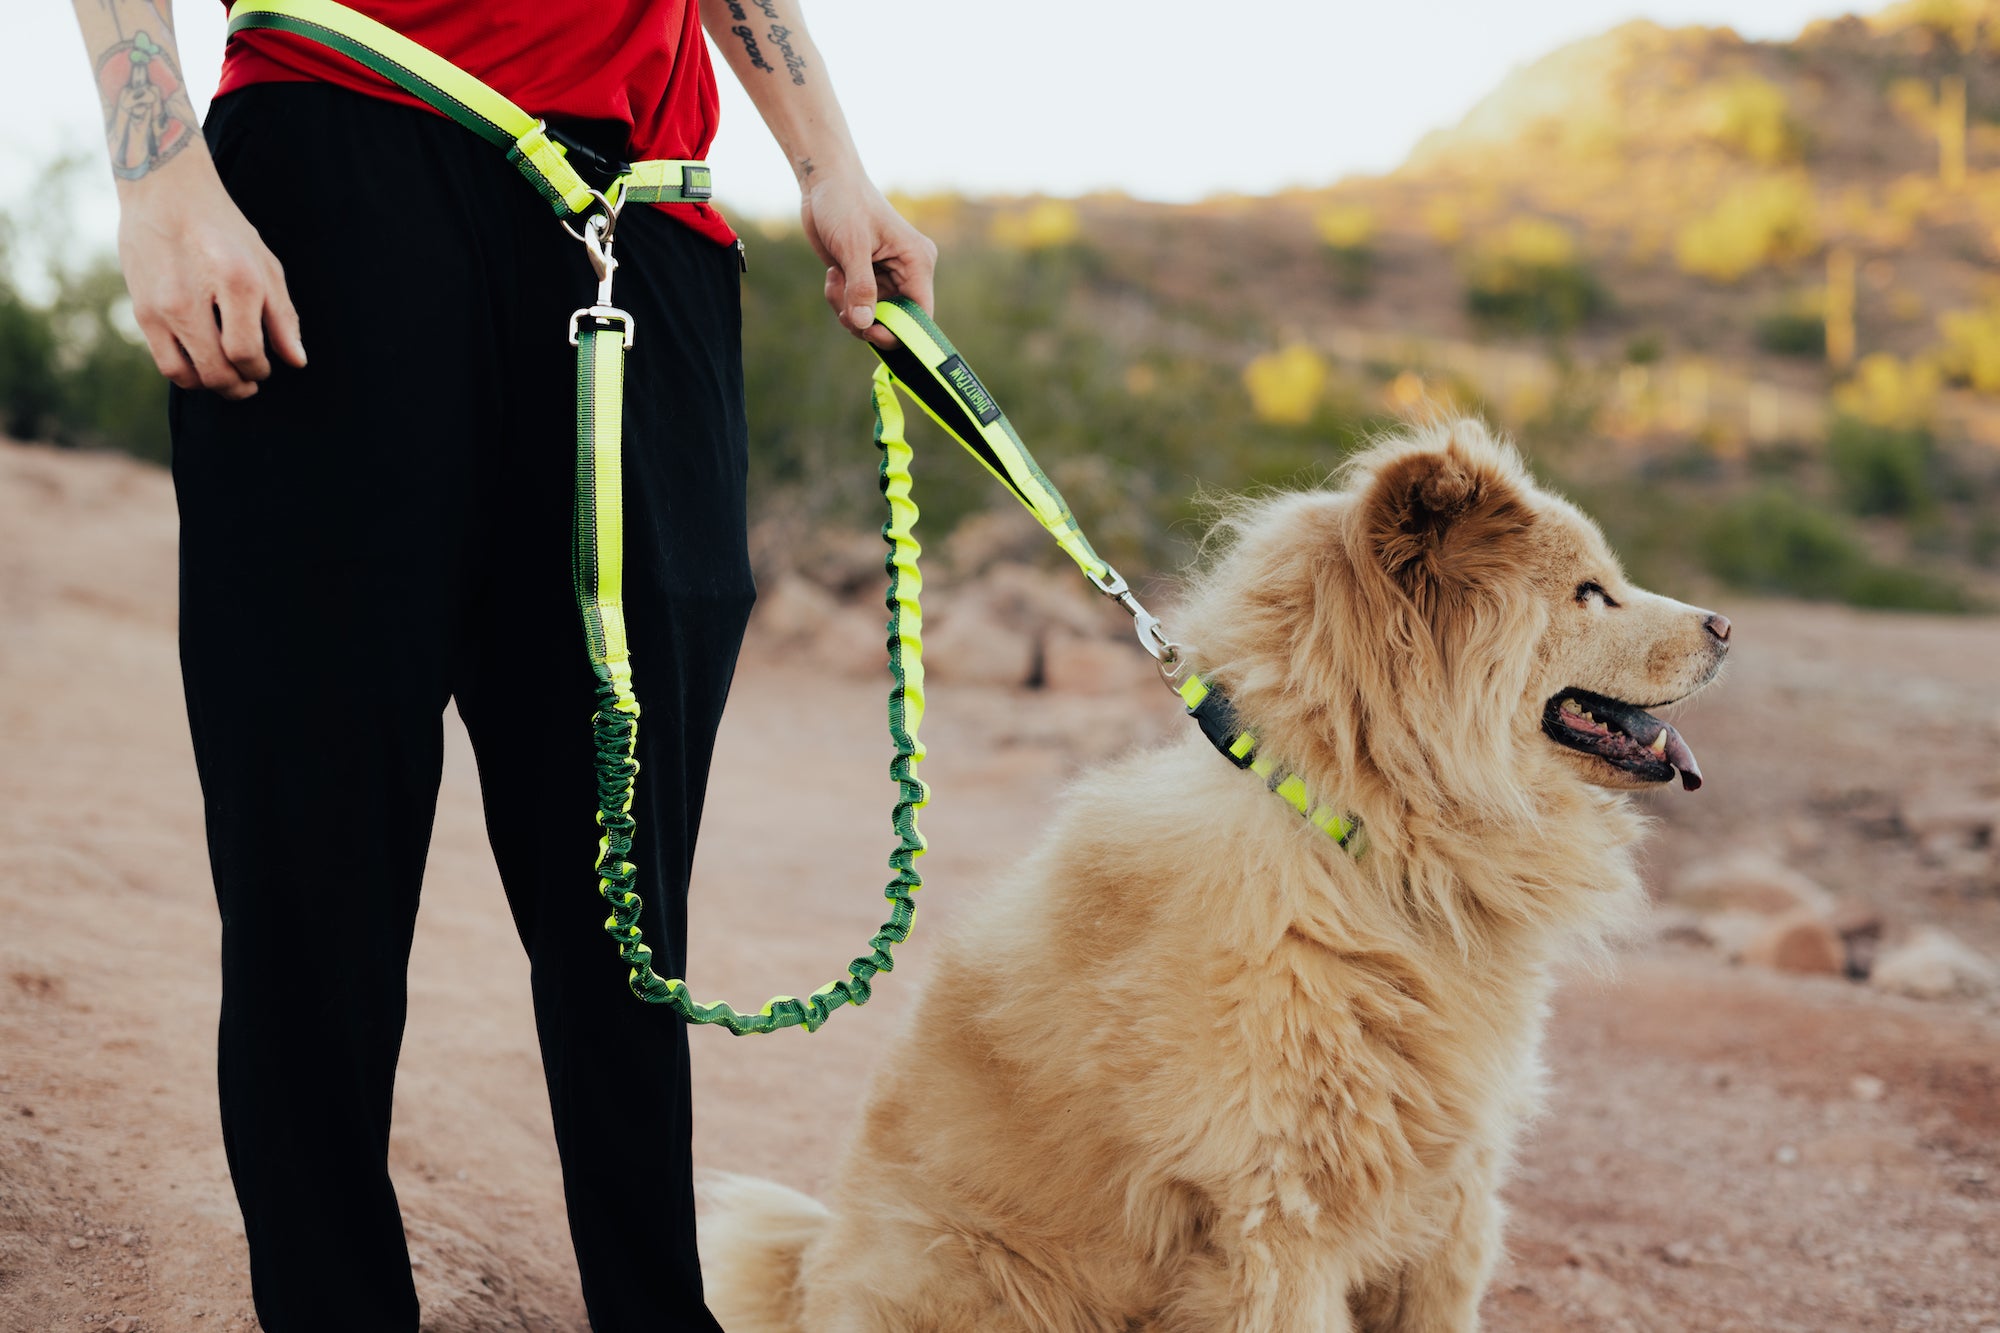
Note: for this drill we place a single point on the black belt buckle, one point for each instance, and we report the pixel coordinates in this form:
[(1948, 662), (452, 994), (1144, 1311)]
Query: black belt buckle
[(696, 181), (597, 170)]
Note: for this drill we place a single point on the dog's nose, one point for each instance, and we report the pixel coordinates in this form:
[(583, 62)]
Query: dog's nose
[(1719, 627)]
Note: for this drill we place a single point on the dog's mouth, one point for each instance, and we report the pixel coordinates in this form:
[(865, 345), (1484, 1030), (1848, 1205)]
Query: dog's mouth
[(1623, 735)]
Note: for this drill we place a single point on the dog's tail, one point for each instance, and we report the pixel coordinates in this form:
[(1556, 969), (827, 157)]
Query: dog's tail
[(753, 1235)]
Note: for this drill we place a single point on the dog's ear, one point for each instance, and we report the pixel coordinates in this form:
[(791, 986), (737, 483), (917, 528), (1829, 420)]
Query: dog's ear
[(1444, 520)]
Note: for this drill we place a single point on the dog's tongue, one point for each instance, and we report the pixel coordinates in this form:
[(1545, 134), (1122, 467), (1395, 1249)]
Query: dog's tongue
[(1682, 758), (1646, 729)]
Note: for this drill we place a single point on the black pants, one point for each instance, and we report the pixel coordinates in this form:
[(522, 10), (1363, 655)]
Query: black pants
[(387, 530)]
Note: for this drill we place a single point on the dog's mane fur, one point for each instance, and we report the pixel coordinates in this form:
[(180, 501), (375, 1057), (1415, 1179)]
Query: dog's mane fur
[(1395, 699)]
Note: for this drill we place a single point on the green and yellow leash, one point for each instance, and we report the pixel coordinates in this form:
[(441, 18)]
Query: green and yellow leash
[(923, 364)]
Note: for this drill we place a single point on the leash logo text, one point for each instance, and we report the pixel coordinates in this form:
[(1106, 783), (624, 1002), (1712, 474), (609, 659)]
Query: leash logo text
[(959, 375)]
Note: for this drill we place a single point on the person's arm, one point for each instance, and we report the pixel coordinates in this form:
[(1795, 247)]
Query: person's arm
[(205, 290), (870, 249)]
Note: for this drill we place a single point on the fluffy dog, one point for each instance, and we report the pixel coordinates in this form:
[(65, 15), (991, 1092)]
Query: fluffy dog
[(1196, 1067)]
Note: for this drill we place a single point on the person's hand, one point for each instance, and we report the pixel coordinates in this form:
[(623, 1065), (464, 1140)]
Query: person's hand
[(871, 252), (205, 290)]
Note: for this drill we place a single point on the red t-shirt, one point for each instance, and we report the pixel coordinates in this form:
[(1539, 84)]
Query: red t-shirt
[(639, 62)]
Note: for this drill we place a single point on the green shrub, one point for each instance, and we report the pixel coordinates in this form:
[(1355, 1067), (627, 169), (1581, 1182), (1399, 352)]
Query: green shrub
[(29, 388), (1793, 331), (68, 374), (1530, 279), (1883, 470), (1774, 542)]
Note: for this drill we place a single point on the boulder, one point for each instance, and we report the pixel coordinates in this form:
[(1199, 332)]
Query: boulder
[(1798, 941), (1731, 933), (1943, 821), (791, 613), (1933, 965), (968, 644), (853, 642), (1076, 665), (1038, 602), (1751, 882)]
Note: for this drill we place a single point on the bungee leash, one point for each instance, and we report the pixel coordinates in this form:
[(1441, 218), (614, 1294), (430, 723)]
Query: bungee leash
[(924, 365)]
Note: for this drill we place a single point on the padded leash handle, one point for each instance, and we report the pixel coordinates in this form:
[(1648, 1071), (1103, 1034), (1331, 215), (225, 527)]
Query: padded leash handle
[(926, 366)]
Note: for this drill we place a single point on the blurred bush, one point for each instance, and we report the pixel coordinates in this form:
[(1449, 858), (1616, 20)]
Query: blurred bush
[(1285, 386), (1753, 117), (1889, 391), (1884, 470), (70, 373), (1530, 279), (1759, 222), (1772, 541), (1349, 233), (1970, 354), (1044, 224), (1795, 328)]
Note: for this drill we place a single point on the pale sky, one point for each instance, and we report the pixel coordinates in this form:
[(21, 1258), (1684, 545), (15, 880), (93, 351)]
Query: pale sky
[(1173, 101)]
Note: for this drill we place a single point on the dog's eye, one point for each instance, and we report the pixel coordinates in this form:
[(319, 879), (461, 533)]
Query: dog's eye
[(1586, 591)]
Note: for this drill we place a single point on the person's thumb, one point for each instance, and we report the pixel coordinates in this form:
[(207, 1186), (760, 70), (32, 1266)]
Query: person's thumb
[(858, 303)]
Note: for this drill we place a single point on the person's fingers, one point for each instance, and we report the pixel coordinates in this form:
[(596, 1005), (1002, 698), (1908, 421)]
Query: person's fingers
[(167, 353), (857, 302), (917, 274), (240, 306), (194, 325), (834, 287), (281, 320)]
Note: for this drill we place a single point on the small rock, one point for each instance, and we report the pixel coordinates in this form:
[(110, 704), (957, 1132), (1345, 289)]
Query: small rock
[(1680, 1254), (1932, 965), (1950, 818), (1749, 882), (969, 645), (124, 1323), (77, 1242), (1801, 942), (1867, 1088), (1076, 665), (129, 1238), (791, 613), (1860, 929), (854, 643), (1787, 1155), (1730, 933)]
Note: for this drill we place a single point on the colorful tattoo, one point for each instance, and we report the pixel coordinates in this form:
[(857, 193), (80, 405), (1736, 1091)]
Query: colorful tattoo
[(147, 118)]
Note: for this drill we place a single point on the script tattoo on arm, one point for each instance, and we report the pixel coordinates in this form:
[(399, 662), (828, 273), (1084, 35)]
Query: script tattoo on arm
[(148, 119), (781, 37), (751, 48)]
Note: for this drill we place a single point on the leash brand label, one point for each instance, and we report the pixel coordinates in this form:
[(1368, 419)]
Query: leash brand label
[(959, 375)]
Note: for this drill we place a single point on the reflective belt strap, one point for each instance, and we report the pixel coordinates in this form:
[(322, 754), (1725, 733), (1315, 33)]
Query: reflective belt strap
[(434, 80)]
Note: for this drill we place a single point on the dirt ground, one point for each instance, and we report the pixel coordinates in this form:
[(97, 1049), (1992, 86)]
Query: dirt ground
[(1725, 1149)]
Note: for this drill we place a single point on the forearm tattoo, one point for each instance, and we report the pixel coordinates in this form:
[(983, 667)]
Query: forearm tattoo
[(795, 64), (147, 113), (148, 118), (757, 60), (777, 34)]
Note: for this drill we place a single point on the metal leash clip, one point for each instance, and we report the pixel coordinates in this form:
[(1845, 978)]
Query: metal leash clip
[(1163, 650), (596, 236)]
